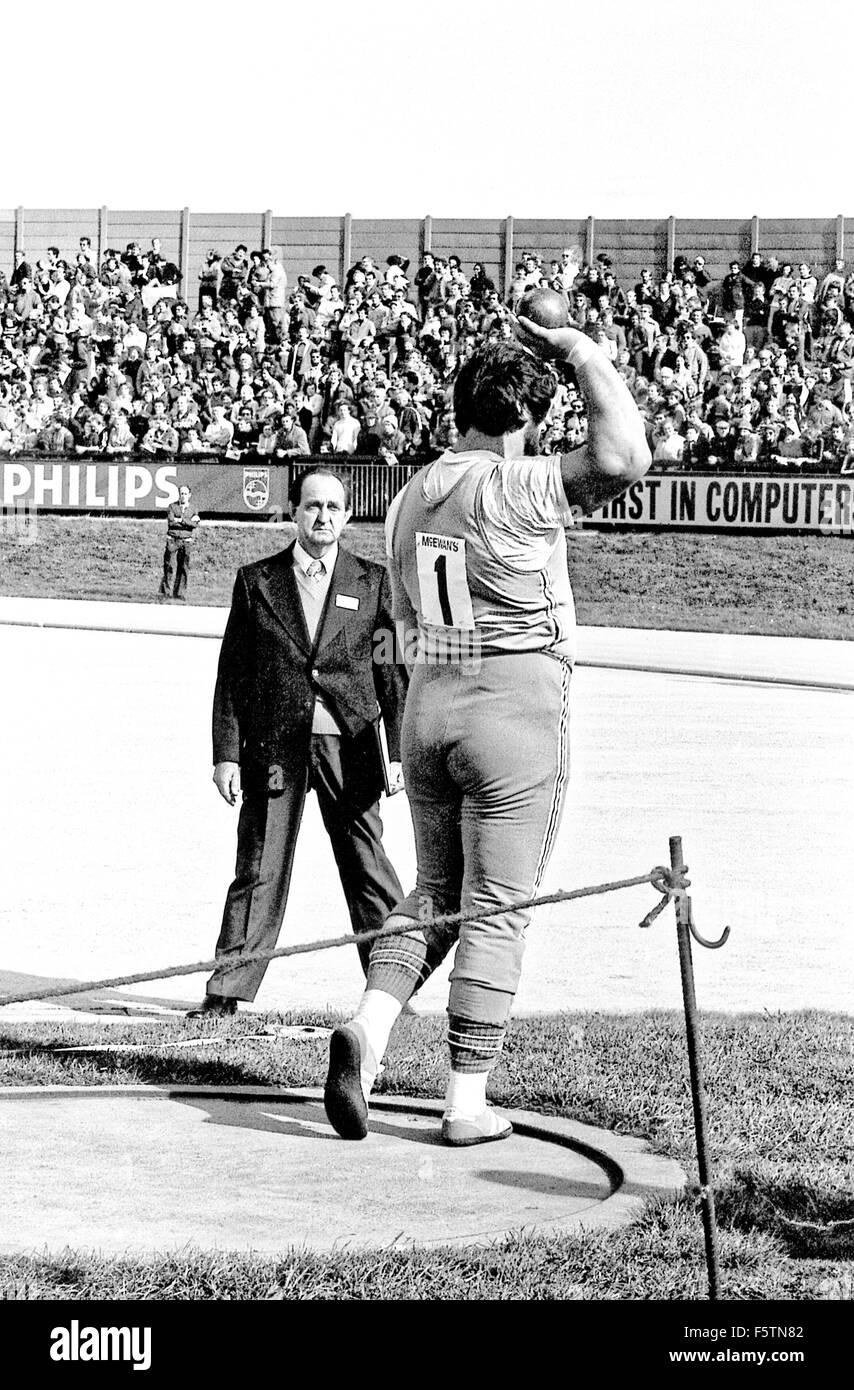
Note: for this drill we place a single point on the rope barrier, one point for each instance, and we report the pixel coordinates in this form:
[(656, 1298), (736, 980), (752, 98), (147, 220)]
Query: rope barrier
[(670, 883)]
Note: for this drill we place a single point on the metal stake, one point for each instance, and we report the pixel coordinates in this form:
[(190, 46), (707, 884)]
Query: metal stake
[(698, 1095)]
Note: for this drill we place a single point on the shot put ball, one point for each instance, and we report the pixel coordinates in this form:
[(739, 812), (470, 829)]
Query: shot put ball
[(545, 307)]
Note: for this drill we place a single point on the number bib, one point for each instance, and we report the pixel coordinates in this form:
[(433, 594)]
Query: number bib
[(442, 581)]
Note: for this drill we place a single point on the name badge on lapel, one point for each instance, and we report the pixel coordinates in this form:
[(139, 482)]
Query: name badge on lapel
[(345, 601)]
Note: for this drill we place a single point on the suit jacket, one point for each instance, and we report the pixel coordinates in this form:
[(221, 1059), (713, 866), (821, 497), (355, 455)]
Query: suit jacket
[(270, 672)]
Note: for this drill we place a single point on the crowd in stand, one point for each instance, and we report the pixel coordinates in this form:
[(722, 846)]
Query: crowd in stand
[(119, 358)]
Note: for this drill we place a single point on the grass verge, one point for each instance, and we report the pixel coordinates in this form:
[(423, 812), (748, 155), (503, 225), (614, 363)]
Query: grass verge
[(796, 586), (779, 1094)]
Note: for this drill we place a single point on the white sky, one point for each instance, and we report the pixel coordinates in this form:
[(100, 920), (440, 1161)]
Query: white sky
[(470, 108)]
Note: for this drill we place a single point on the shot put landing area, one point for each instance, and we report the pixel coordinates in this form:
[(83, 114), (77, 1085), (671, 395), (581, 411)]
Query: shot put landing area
[(128, 1169)]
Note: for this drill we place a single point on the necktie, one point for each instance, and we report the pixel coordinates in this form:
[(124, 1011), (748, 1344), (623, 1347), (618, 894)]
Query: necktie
[(315, 571)]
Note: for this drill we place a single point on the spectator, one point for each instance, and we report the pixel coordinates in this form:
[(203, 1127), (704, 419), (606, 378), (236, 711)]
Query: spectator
[(160, 438), (753, 273), (427, 283), (835, 447), (834, 279), (27, 303), (22, 271), (756, 316), (732, 345), (721, 447), (210, 276), (182, 520), (732, 294), (246, 432), (273, 301), (480, 284), (746, 449), (839, 356), (268, 438), (109, 358), (392, 444), (645, 289), (694, 449), (120, 439), (292, 440), (220, 432), (234, 272), (345, 431), (191, 443), (808, 286), (91, 432), (56, 437), (668, 445)]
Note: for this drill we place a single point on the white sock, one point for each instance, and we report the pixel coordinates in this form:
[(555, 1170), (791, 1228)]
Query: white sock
[(466, 1093), (373, 1021)]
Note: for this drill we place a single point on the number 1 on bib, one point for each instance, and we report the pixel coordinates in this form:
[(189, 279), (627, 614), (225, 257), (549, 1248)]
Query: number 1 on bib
[(442, 581)]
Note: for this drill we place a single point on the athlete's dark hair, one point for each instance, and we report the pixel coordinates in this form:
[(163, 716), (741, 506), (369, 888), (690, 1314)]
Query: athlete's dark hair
[(295, 489), (498, 386)]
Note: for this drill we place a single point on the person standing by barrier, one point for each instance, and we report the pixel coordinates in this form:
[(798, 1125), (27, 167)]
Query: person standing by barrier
[(209, 278), (478, 564), (273, 300), (182, 519), (732, 294)]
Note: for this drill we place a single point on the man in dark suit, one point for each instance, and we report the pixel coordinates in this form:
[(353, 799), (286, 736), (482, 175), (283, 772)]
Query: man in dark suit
[(295, 707)]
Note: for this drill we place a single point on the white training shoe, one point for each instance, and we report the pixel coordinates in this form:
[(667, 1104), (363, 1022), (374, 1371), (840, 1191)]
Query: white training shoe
[(460, 1130)]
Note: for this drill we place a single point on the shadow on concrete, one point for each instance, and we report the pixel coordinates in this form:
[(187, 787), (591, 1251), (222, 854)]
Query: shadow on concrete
[(299, 1119), (542, 1182)]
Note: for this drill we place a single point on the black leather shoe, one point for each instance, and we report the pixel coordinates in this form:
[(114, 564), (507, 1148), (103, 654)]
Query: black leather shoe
[(214, 1006), (343, 1098)]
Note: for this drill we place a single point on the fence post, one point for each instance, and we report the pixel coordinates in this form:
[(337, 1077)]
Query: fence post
[(426, 235), (509, 256), (346, 244), (671, 242), (754, 234), (267, 230), (103, 233), (590, 240), (840, 238), (695, 1069), (184, 251), (19, 230)]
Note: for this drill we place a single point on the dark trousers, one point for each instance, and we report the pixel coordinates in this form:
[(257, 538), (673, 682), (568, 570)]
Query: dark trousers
[(177, 555), (266, 841)]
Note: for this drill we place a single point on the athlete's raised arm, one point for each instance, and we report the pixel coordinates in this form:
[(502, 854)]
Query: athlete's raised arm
[(616, 453)]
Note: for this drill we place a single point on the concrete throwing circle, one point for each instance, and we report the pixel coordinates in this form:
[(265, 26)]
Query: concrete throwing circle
[(138, 1169)]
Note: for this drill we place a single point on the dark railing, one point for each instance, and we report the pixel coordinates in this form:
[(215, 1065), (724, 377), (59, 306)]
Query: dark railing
[(776, 467), (373, 484)]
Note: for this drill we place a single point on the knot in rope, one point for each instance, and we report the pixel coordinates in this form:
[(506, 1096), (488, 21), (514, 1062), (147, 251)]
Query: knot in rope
[(670, 883)]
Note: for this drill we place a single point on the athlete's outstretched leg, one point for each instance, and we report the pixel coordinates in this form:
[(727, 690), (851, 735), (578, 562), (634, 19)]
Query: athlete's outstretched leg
[(399, 966)]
